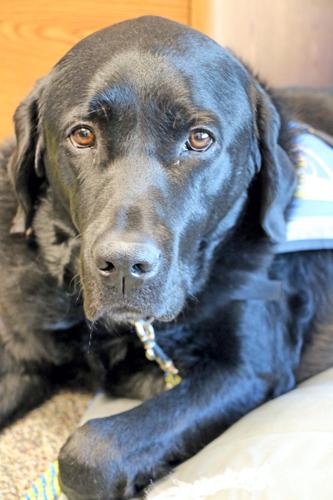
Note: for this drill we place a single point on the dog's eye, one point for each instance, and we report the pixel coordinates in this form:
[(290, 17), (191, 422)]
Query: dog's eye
[(199, 140), (82, 138)]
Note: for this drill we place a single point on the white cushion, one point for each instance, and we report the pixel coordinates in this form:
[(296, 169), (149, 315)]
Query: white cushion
[(280, 451)]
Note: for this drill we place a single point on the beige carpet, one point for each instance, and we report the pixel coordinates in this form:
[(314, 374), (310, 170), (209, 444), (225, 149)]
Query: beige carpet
[(29, 445)]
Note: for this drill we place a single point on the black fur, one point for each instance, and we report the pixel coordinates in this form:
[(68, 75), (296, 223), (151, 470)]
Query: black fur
[(215, 217)]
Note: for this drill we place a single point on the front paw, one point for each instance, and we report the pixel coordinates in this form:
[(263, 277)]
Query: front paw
[(102, 460)]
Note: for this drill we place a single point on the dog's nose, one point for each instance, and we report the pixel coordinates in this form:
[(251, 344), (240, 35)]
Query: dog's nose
[(127, 263)]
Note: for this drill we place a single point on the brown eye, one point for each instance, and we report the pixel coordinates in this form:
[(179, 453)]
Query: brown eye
[(199, 140), (83, 137)]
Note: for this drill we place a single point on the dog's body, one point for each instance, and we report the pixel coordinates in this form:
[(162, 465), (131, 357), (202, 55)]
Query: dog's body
[(197, 225)]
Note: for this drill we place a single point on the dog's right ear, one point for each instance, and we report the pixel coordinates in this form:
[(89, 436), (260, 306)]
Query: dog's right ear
[(25, 166)]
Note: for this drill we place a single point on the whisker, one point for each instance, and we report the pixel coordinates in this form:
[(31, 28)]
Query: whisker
[(91, 329), (91, 326)]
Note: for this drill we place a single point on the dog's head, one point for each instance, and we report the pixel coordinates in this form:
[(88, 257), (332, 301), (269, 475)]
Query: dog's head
[(149, 135)]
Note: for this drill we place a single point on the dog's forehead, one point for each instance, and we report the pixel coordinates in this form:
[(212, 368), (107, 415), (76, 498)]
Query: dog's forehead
[(146, 53), (161, 38), (149, 33), (143, 70)]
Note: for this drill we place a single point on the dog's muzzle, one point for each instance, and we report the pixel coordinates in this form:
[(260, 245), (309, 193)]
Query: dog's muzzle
[(126, 262)]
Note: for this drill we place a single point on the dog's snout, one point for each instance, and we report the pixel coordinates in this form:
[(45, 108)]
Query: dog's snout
[(128, 262)]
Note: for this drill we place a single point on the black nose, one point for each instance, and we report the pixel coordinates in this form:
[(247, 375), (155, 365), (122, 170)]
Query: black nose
[(126, 264)]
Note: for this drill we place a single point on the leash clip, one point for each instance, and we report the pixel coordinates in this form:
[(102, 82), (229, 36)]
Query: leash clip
[(146, 333)]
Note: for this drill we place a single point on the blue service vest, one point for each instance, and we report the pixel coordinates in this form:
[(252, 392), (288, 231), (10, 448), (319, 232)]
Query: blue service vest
[(310, 219)]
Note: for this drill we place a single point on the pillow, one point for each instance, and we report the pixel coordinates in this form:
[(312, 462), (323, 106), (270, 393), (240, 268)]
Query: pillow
[(281, 450)]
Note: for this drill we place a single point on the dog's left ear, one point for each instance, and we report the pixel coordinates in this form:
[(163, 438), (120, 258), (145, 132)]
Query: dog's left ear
[(25, 167), (276, 174)]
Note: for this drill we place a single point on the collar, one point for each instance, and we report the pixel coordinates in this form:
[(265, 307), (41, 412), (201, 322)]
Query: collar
[(146, 333)]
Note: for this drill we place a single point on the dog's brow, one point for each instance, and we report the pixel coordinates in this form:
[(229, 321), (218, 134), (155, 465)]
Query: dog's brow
[(203, 116), (112, 97), (178, 112), (181, 112)]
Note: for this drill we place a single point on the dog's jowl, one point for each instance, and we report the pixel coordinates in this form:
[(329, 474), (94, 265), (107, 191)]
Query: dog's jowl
[(156, 187)]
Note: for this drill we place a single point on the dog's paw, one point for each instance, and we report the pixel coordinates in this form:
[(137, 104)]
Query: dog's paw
[(100, 461)]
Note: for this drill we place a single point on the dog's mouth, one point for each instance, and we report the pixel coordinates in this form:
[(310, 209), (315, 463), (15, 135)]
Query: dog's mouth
[(123, 314), (127, 313)]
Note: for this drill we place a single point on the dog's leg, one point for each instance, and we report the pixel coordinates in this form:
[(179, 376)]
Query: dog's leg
[(19, 393), (235, 362), (115, 457)]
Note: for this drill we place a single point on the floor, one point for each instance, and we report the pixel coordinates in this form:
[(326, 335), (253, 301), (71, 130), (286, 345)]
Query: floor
[(29, 446)]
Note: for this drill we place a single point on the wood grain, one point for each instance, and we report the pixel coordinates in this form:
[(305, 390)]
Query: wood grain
[(35, 35), (288, 42)]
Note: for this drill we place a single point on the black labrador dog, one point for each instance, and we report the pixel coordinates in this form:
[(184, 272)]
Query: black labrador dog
[(151, 179)]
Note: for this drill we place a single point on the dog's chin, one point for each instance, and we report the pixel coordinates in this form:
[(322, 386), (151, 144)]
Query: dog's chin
[(162, 306), (126, 314), (123, 315)]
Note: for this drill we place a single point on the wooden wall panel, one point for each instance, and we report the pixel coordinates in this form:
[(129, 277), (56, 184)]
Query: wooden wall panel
[(289, 42), (286, 41), (34, 35)]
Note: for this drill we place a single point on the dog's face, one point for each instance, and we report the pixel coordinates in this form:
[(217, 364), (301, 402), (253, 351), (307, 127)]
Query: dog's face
[(149, 139)]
